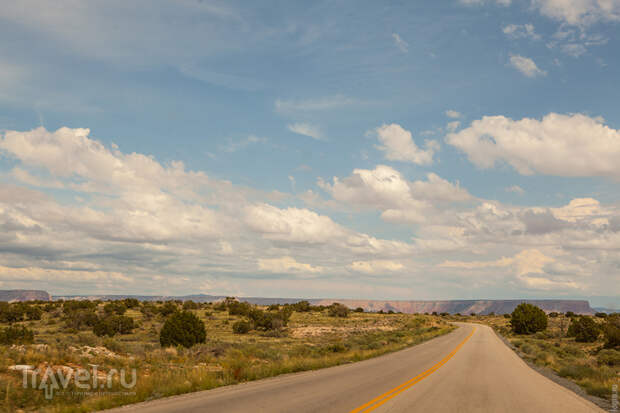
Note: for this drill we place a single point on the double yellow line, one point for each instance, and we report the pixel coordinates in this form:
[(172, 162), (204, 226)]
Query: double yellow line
[(380, 400)]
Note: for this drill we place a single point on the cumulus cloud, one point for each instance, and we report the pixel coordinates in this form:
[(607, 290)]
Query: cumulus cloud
[(579, 12), (562, 145), (400, 43), (285, 265), (519, 31), (398, 145), (515, 189), (481, 2), (526, 66), (306, 129), (453, 114), (375, 266)]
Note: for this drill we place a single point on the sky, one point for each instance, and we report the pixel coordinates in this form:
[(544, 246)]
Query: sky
[(352, 149)]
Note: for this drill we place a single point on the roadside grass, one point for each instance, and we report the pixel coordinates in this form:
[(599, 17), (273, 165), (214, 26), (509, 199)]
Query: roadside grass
[(312, 340), (590, 365)]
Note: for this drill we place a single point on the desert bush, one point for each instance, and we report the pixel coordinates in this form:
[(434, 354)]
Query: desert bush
[(611, 331), (190, 305), (302, 306), (584, 329), (609, 357), (241, 327), (169, 307), (570, 314), (553, 314), (471, 314), (11, 313), (338, 310), (16, 335), (359, 310), (444, 314), (74, 305), (239, 308), (80, 319), (269, 320), (506, 315), (492, 313), (182, 329), (33, 312), (115, 307), (528, 319), (131, 302), (112, 325), (601, 315)]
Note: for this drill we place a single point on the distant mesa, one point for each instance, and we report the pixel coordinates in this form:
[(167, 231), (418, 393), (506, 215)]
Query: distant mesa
[(24, 295), (405, 306)]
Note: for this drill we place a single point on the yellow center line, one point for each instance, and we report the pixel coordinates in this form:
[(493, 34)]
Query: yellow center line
[(379, 400)]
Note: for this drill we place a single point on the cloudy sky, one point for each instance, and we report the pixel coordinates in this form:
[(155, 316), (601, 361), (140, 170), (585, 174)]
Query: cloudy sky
[(423, 150)]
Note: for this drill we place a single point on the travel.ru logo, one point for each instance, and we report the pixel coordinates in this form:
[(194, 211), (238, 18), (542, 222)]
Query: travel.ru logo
[(51, 380)]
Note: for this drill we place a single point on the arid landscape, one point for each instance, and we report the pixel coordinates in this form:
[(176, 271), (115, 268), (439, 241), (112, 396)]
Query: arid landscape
[(64, 341)]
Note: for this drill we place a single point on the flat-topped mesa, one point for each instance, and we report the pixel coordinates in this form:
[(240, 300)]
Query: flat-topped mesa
[(24, 295), (463, 306)]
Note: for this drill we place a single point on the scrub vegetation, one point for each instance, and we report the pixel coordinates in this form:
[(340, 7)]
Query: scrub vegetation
[(180, 347)]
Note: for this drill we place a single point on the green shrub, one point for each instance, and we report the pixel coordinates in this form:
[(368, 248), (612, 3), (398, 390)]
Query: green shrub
[(338, 310), (239, 308), (241, 327), (609, 357), (302, 306), (115, 307), (112, 325), (81, 318), (611, 330), (601, 315), (584, 329), (16, 335), (359, 310), (528, 319), (506, 315), (33, 312), (270, 320), (182, 329), (570, 314), (168, 308), (444, 314), (553, 314), (190, 305)]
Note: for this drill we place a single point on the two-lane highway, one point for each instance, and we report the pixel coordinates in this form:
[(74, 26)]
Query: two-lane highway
[(468, 370)]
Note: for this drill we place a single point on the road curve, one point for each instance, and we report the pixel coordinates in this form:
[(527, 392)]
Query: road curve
[(468, 370)]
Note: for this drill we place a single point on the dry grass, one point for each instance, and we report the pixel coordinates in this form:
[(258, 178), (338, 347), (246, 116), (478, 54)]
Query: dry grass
[(312, 341)]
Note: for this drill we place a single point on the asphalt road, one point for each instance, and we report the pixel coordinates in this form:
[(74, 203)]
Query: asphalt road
[(468, 370)]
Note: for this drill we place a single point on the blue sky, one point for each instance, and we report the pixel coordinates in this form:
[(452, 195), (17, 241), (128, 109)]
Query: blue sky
[(307, 133)]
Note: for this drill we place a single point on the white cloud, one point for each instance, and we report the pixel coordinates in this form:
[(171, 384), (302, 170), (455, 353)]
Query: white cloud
[(292, 224), (526, 66), (285, 265), (375, 266), (515, 189), (452, 126), (306, 129), (519, 31), (400, 43), (234, 146), (398, 145), (563, 145), (314, 105), (453, 114), (574, 49), (579, 12)]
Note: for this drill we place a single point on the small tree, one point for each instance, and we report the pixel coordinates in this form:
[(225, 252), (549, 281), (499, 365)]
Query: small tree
[(359, 310), (182, 329), (601, 315), (584, 329), (16, 335), (241, 327), (168, 308), (611, 329), (553, 314), (528, 319), (338, 310)]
